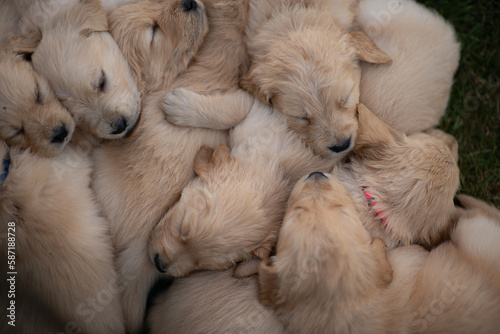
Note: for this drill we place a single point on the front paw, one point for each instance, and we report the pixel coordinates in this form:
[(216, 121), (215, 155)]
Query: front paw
[(178, 104)]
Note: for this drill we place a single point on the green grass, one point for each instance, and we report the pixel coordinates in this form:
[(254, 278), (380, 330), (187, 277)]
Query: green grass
[(473, 114)]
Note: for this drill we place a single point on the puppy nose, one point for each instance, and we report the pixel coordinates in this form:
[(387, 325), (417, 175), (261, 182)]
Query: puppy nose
[(342, 146), (60, 134), (159, 264), (317, 175), (119, 126), (188, 5)]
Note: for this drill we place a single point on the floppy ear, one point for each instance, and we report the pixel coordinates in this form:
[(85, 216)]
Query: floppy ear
[(378, 249), (94, 19), (366, 49), (25, 44), (250, 83), (202, 161), (373, 134), (268, 283)]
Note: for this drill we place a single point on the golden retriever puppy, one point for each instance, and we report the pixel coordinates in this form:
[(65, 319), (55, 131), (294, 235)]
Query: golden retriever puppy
[(233, 211), (31, 116), (138, 179), (308, 67), (329, 277), (412, 93), (83, 65), (59, 248), (402, 186)]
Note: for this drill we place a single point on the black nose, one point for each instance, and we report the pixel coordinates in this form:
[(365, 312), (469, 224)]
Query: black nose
[(159, 264), (60, 134), (189, 5), (317, 175), (342, 146), (119, 126)]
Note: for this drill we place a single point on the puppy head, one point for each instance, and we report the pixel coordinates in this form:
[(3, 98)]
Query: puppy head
[(312, 76), (159, 39), (219, 219), (323, 253), (412, 180), (31, 116), (87, 71)]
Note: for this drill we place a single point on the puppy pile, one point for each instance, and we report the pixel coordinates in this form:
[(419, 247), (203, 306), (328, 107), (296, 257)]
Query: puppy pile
[(277, 157)]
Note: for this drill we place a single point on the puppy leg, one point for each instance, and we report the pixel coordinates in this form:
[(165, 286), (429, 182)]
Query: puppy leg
[(183, 107)]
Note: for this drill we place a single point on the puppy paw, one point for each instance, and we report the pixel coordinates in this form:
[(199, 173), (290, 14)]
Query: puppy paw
[(179, 105), (247, 268)]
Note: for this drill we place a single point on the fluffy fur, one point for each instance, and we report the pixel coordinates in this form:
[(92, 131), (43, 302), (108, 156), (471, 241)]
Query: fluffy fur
[(412, 179), (307, 66), (328, 276), (31, 116), (138, 179), (412, 93), (64, 256), (234, 209), (83, 65)]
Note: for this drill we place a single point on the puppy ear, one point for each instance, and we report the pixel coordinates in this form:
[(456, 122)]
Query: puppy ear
[(221, 155), (373, 134), (202, 161), (250, 83), (366, 49), (268, 283), (378, 249), (25, 44), (94, 20)]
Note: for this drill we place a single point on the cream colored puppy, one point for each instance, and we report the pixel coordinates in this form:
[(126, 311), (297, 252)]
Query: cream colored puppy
[(233, 211), (137, 180), (83, 65), (329, 277), (292, 69), (31, 116), (412, 93), (60, 247), (402, 186)]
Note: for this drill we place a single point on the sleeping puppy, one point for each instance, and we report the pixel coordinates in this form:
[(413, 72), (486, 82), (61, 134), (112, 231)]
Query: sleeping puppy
[(83, 65), (138, 179), (402, 186), (63, 253), (410, 95), (328, 276), (31, 116), (233, 211), (292, 69)]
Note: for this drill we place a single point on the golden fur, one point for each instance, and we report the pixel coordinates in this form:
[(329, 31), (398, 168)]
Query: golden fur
[(31, 116), (411, 94), (233, 211), (84, 66), (64, 255), (138, 179), (307, 66), (412, 179), (328, 276)]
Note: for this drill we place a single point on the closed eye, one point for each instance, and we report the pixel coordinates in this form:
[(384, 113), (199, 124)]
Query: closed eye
[(38, 96), (18, 132), (101, 86)]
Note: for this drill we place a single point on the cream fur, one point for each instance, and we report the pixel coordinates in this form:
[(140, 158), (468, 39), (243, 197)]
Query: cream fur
[(83, 65), (31, 116), (412, 93), (66, 278), (138, 179), (233, 211), (412, 179)]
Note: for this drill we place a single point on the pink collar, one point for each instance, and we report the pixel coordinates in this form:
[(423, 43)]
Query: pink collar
[(371, 201)]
